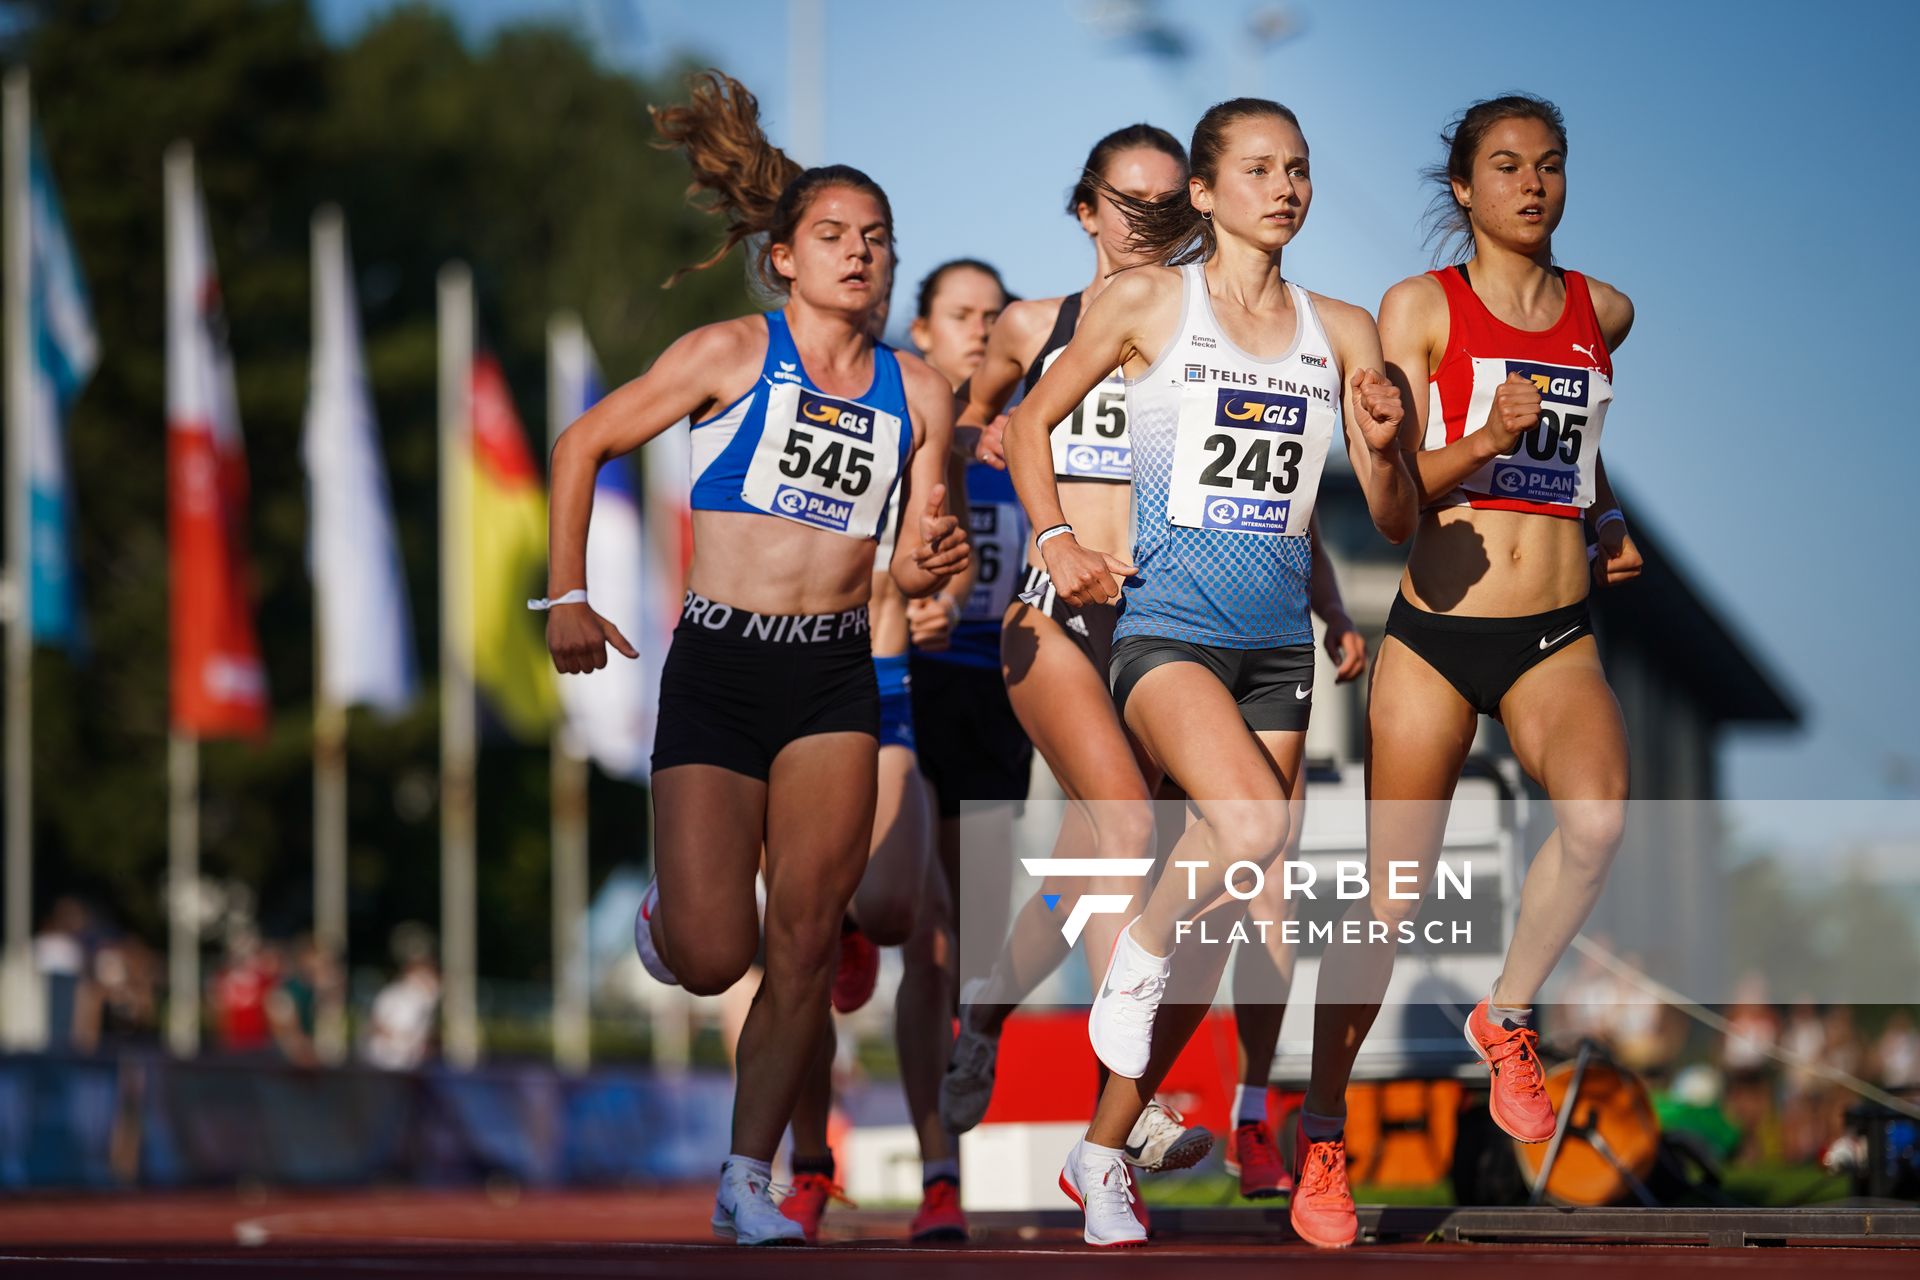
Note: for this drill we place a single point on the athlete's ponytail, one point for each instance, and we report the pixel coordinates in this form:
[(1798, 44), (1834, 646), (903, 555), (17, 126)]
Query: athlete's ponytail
[(1449, 224), (760, 191), (1169, 229)]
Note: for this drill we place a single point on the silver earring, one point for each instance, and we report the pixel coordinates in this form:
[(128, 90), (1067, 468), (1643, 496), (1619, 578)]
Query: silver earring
[(1206, 215)]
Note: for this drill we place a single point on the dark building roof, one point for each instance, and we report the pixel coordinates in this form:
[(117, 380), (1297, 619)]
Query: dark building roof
[(1662, 613), (1668, 615)]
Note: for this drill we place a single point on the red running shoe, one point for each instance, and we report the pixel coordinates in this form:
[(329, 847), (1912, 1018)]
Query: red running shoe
[(806, 1204), (1518, 1100), (857, 972), (939, 1217), (1322, 1207), (1252, 1156)]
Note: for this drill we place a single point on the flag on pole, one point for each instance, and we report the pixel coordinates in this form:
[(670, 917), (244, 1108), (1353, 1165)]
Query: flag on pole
[(607, 711), (219, 685), (667, 518), (63, 350), (364, 627), (510, 662)]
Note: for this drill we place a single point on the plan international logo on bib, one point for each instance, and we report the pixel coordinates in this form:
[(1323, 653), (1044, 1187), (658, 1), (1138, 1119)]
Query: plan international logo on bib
[(812, 508), (1261, 411), (1247, 515), (842, 416), (1535, 484)]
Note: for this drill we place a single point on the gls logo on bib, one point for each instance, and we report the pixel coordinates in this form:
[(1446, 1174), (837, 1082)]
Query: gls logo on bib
[(1261, 411), (842, 416), (1557, 383)]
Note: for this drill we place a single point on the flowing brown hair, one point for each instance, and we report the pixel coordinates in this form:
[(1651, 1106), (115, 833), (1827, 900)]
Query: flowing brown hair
[(741, 176), (1168, 229)]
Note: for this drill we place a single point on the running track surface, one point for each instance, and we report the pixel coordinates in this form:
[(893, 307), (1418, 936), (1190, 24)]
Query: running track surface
[(647, 1233)]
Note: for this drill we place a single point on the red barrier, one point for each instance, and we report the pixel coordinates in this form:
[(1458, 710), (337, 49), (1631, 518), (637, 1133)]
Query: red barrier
[(1046, 1072)]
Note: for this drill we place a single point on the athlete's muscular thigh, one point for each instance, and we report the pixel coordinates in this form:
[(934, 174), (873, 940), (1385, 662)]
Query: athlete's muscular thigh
[(1419, 730), (820, 807), (1566, 728), (708, 827)]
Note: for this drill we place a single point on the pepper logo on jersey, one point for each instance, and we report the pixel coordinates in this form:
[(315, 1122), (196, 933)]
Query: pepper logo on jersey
[(1535, 484), (1262, 410), (1558, 384), (812, 508), (1246, 515), (843, 416)]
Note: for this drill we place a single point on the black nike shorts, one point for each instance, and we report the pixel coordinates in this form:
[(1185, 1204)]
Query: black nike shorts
[(1482, 657), (738, 686), (1274, 687)]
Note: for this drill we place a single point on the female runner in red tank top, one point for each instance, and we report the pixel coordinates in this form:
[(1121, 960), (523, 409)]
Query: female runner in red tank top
[(1508, 360)]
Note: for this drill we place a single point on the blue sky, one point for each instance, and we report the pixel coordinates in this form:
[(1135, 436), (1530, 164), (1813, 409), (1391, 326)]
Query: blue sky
[(1746, 172)]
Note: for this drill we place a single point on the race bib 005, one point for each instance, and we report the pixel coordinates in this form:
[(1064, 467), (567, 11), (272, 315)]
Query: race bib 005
[(1553, 463)]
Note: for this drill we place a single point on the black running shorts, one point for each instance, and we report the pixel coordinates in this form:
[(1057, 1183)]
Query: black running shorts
[(738, 686), (1274, 687), (971, 746), (1482, 657)]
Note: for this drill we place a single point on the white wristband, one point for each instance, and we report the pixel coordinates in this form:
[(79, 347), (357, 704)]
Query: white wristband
[(576, 596), (1610, 516), (1054, 532)]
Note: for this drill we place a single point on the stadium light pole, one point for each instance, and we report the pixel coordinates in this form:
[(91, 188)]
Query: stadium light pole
[(459, 1007)]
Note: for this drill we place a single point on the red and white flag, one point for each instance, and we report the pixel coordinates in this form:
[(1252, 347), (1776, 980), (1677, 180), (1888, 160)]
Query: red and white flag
[(219, 685)]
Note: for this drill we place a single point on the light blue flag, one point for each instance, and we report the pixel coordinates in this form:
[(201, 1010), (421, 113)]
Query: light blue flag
[(65, 350)]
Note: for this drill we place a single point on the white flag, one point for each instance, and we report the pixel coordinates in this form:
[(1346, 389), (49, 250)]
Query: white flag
[(609, 714), (363, 628)]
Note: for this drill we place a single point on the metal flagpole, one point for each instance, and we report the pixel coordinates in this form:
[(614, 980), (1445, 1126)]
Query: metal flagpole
[(183, 775), (572, 1031), (329, 738), (458, 899), (20, 1004)]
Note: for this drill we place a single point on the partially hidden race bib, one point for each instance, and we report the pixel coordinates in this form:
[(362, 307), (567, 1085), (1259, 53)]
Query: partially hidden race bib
[(1248, 461), (1552, 463), (1093, 444), (999, 553), (823, 461)]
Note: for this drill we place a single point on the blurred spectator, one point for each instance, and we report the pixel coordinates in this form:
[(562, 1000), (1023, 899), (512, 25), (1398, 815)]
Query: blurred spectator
[(293, 1006), (1646, 1038), (240, 989), (1588, 1003), (401, 1024), (1896, 1055), (1805, 1043), (60, 957), (1753, 1032), (1846, 1051), (126, 974)]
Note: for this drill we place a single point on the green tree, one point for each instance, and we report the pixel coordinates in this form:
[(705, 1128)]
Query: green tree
[(524, 158)]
